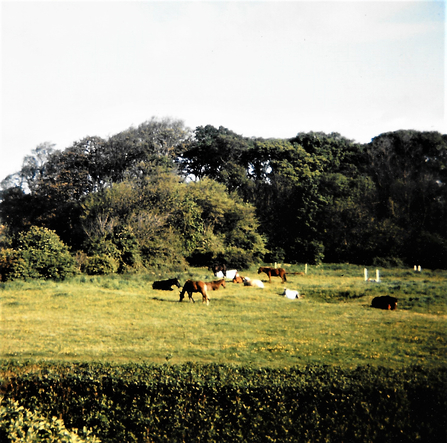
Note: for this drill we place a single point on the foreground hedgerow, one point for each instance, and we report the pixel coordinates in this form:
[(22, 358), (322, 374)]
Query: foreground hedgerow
[(222, 403)]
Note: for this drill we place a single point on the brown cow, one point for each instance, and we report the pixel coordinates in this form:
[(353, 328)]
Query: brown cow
[(191, 286), (276, 272)]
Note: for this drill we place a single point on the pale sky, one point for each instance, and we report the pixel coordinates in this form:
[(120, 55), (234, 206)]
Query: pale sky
[(260, 68)]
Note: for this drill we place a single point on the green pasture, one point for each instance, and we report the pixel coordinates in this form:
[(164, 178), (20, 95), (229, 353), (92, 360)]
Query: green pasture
[(121, 319)]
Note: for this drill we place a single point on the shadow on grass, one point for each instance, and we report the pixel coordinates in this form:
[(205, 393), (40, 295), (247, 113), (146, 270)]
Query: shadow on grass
[(164, 300)]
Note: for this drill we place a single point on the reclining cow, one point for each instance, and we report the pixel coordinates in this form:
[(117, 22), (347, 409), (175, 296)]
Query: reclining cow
[(238, 279), (288, 293), (166, 285), (219, 267), (384, 302), (255, 283)]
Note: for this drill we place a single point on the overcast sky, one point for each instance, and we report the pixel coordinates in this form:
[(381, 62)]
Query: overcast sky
[(264, 69)]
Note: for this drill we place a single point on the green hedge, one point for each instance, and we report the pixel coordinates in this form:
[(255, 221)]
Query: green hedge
[(221, 403)]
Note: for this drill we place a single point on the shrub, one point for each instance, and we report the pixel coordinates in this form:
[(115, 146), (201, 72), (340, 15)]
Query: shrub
[(100, 265), (38, 253), (121, 246), (102, 246), (129, 249), (18, 424), (12, 266)]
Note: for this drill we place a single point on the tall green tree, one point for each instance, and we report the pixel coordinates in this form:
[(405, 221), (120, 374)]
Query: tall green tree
[(217, 153), (409, 169), (288, 191)]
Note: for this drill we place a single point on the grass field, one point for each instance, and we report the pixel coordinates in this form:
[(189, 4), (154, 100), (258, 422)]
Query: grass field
[(121, 319)]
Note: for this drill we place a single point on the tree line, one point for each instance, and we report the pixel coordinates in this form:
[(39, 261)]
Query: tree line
[(162, 194)]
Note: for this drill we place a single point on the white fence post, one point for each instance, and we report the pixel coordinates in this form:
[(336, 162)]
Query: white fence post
[(305, 269), (365, 272), (377, 276)]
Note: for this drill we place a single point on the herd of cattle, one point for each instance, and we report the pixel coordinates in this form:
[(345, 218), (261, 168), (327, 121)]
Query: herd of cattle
[(220, 270)]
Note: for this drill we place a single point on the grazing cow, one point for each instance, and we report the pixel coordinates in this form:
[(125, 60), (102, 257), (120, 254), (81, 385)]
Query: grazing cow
[(291, 294), (215, 285), (254, 283), (384, 302), (219, 267), (166, 285), (191, 286), (276, 272), (238, 279)]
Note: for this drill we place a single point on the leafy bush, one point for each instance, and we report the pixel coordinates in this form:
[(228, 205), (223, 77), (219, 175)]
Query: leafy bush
[(129, 249), (37, 253), (102, 246), (100, 265), (18, 424), (12, 265)]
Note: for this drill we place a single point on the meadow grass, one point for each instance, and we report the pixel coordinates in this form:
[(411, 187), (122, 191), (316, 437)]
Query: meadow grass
[(122, 319)]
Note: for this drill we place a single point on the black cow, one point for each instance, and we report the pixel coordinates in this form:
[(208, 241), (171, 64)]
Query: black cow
[(384, 302), (166, 285), (219, 267)]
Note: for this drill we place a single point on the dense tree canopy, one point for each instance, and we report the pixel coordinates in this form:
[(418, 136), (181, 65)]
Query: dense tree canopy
[(160, 193)]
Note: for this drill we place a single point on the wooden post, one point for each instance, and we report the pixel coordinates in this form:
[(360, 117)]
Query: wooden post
[(365, 272), (305, 269), (377, 276)]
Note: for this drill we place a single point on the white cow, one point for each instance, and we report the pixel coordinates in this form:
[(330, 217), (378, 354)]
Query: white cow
[(230, 274), (291, 294), (254, 283)]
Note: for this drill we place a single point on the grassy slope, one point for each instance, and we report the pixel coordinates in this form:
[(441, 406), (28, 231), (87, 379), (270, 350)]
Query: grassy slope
[(122, 319)]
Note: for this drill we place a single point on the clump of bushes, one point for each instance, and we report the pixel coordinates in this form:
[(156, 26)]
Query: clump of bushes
[(18, 424), (100, 265), (37, 253)]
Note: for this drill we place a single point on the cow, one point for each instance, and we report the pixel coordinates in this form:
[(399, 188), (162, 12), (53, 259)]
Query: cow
[(229, 274), (166, 285), (238, 279), (254, 283), (276, 272), (384, 302), (219, 267), (288, 293)]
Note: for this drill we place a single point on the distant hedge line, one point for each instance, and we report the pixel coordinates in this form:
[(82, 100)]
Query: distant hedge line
[(222, 403)]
